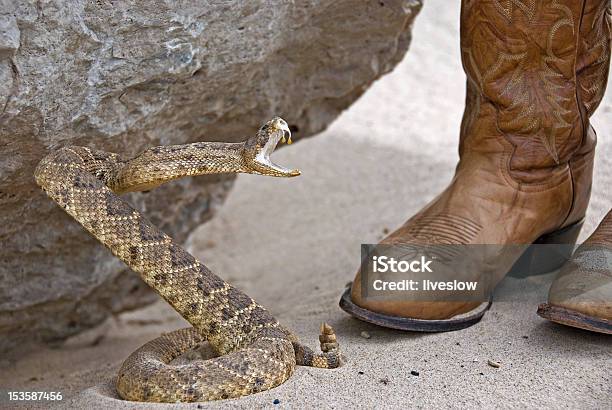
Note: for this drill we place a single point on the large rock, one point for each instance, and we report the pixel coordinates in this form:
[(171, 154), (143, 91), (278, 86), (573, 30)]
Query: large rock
[(122, 76)]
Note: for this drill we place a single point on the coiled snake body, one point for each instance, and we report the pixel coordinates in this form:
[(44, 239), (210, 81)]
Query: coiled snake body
[(256, 352)]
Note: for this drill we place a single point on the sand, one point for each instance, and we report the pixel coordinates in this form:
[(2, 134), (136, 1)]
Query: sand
[(294, 244)]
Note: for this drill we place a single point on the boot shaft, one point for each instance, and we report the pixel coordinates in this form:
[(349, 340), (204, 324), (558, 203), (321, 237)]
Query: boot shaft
[(535, 72), (603, 233), (593, 62)]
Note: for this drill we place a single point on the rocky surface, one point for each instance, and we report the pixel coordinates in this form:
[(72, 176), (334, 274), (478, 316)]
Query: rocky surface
[(123, 76)]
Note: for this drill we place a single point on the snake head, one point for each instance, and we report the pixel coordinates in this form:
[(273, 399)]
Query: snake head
[(258, 148)]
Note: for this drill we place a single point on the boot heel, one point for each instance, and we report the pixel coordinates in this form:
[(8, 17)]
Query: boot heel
[(548, 253)]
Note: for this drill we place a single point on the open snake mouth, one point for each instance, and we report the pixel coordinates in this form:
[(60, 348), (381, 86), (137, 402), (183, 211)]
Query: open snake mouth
[(278, 132)]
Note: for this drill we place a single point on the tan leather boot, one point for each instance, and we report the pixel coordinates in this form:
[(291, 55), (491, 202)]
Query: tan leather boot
[(581, 294), (526, 151)]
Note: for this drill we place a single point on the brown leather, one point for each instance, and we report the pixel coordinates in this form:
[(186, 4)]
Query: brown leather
[(592, 66), (584, 284), (593, 61), (526, 147)]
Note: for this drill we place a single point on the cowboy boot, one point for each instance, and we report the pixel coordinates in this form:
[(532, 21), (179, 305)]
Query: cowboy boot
[(581, 294), (526, 154)]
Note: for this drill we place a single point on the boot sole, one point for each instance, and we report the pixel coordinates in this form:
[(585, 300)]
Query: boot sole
[(532, 259), (416, 325), (574, 318)]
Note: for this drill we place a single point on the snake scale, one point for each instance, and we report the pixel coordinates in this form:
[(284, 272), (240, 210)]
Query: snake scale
[(255, 353)]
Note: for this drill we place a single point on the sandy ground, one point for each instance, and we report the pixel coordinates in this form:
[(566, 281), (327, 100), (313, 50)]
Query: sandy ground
[(294, 244)]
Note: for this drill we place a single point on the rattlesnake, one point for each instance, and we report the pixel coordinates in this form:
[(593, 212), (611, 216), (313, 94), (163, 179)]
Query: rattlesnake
[(255, 352)]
